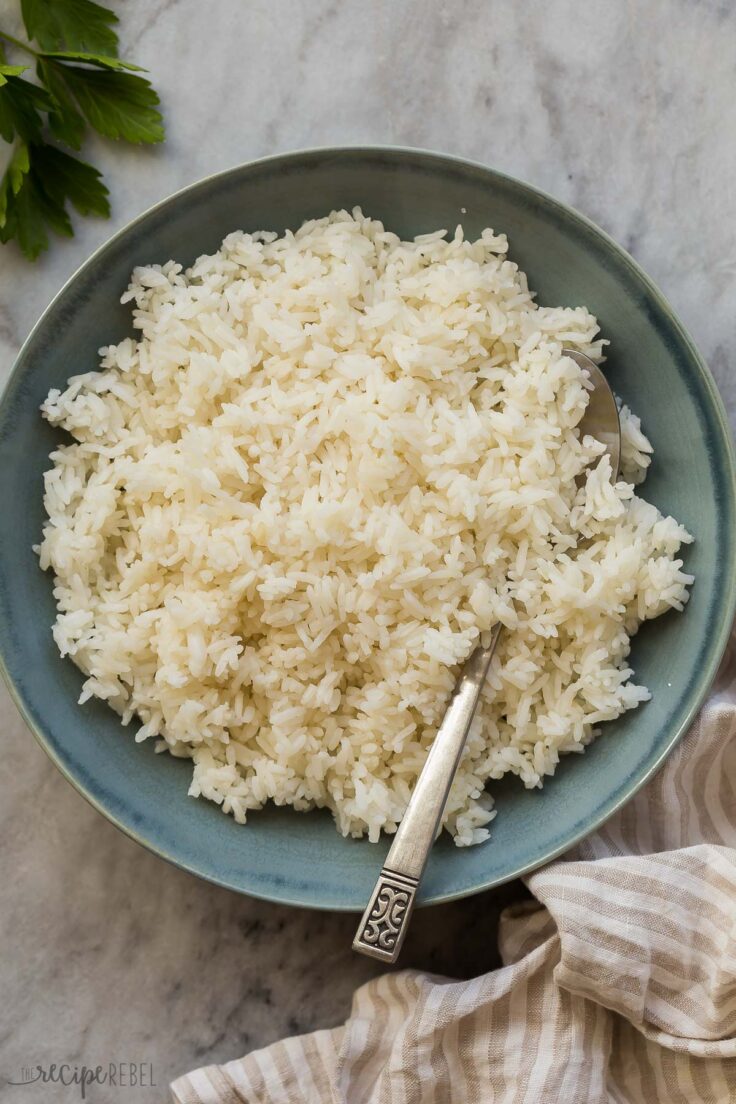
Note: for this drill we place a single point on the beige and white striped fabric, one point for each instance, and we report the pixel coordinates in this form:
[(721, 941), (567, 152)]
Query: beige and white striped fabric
[(618, 983)]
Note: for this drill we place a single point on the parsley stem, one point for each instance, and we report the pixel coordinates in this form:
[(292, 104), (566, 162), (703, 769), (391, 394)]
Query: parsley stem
[(17, 42)]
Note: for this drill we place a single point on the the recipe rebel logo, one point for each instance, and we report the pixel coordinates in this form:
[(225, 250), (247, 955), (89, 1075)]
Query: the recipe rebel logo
[(111, 1075)]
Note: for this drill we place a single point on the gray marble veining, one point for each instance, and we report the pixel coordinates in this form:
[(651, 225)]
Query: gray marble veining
[(624, 110)]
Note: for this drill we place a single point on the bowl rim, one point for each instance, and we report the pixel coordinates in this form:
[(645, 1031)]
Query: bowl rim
[(718, 640)]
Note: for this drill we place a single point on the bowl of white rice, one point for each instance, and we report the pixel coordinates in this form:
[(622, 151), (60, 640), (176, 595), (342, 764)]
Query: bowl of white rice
[(276, 457)]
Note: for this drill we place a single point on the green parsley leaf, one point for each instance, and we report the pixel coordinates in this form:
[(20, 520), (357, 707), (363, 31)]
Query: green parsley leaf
[(20, 104), (28, 216), (12, 181), (100, 60), (18, 167), (116, 104), (47, 209), (34, 193), (21, 223), (68, 178), (81, 81), (10, 71), (71, 25), (65, 121)]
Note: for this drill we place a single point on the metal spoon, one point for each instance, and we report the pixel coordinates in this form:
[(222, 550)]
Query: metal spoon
[(386, 919)]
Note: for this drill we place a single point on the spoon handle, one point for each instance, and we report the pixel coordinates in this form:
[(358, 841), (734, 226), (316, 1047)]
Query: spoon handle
[(386, 919)]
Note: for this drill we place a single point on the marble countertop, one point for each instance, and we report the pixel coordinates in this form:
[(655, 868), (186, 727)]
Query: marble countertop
[(627, 112)]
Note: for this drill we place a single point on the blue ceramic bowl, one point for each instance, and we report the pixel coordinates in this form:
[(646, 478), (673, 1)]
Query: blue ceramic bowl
[(300, 858)]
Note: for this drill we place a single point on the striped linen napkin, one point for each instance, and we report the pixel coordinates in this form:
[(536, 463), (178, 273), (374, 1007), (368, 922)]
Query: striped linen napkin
[(618, 983)]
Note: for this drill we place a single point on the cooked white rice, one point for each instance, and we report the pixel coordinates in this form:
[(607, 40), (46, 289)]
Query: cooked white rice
[(328, 463)]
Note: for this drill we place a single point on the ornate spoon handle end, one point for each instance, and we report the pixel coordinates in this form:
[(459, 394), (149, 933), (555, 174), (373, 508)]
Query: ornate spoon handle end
[(386, 919)]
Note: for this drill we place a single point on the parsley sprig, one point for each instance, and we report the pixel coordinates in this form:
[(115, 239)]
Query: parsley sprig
[(81, 83)]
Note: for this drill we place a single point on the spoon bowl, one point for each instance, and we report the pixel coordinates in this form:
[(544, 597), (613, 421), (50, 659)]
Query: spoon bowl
[(600, 419)]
